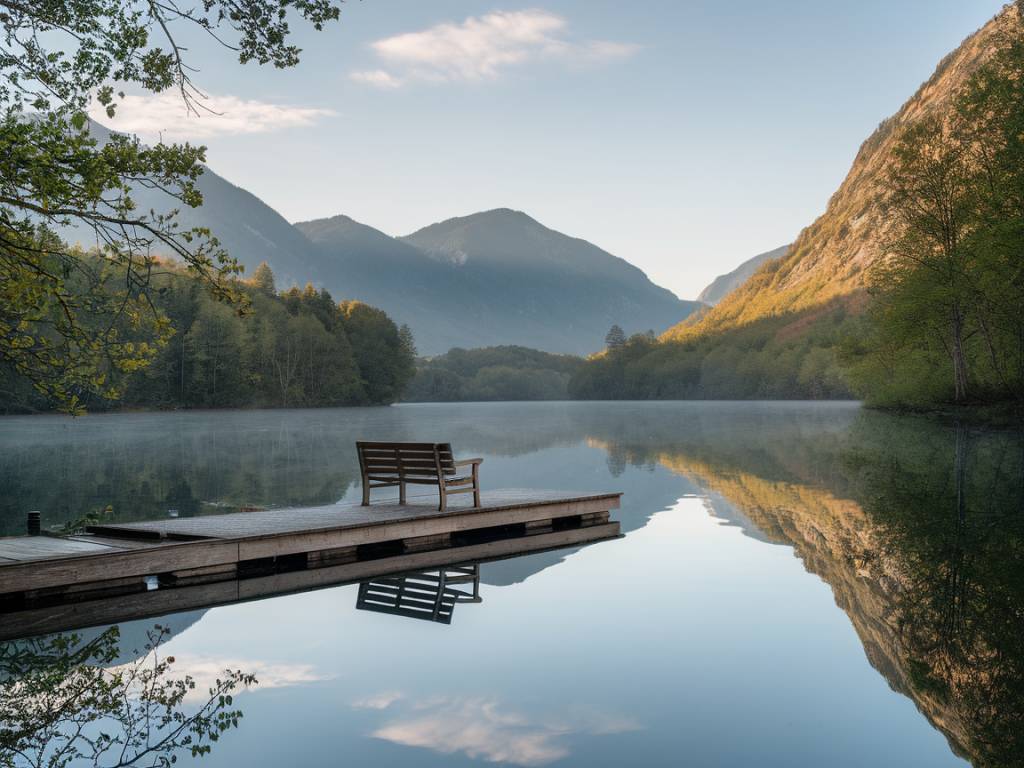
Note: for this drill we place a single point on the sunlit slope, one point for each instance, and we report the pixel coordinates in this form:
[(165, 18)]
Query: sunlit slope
[(725, 284), (829, 260)]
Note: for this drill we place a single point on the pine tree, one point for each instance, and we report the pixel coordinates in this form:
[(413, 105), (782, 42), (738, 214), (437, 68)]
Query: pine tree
[(616, 337), (263, 279), (407, 340)]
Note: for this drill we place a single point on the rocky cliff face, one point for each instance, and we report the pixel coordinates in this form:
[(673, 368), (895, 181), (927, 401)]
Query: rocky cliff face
[(829, 260)]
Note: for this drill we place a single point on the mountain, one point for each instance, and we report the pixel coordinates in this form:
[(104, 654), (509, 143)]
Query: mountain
[(248, 228), (489, 279), (723, 284), (787, 331), (353, 260), (827, 264)]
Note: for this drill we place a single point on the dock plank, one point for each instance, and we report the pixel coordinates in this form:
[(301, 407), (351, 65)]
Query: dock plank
[(296, 520), (23, 548), (185, 544), (103, 611), (115, 543), (105, 563)]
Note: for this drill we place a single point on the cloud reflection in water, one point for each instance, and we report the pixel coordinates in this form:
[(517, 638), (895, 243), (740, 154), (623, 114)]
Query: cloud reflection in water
[(480, 727)]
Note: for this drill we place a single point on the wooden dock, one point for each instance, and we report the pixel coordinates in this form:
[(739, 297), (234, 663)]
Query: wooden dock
[(119, 571)]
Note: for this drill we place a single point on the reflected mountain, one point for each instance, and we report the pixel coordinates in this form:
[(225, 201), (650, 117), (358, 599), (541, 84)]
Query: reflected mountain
[(425, 595), (918, 529), (134, 637)]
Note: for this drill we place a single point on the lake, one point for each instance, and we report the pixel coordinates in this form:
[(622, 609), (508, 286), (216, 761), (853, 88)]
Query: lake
[(798, 584)]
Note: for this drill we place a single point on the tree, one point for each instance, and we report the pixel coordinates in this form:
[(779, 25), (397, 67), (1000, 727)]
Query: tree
[(615, 338), (215, 345), (263, 280), (385, 366), (69, 318), (926, 285), (407, 340), (947, 301), (65, 701)]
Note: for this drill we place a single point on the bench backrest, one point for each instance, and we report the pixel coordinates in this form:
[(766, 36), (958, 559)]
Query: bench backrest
[(383, 462)]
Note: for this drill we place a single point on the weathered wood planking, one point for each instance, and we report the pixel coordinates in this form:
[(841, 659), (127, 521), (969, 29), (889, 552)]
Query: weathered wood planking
[(187, 544), (341, 516), (115, 563), (42, 547), (160, 602)]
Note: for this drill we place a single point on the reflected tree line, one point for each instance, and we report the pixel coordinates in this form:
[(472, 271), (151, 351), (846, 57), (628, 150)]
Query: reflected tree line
[(150, 474), (143, 466), (919, 529), (950, 507), (929, 517), (70, 701)]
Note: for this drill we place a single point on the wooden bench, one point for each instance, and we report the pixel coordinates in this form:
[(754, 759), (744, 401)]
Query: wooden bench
[(385, 465)]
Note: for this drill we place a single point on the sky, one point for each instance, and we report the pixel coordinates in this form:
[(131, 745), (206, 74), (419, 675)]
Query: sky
[(683, 135)]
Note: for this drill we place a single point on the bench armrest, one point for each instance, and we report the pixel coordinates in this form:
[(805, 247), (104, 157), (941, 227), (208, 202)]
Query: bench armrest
[(467, 462)]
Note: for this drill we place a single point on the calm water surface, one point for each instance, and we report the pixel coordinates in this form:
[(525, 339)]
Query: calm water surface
[(799, 585)]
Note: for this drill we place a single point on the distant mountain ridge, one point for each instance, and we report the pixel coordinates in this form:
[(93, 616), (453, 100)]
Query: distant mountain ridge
[(493, 278), (722, 285)]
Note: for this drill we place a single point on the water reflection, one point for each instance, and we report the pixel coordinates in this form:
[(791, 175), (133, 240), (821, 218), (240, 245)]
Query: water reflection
[(486, 729), (425, 595), (73, 700), (917, 528)]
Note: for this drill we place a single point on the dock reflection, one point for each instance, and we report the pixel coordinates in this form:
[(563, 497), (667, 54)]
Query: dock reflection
[(425, 595)]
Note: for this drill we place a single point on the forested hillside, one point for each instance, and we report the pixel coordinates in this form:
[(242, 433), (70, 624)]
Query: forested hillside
[(906, 291), (491, 278), (774, 359), (288, 349), (493, 373)]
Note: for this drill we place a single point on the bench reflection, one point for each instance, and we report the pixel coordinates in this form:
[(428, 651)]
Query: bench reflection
[(427, 595)]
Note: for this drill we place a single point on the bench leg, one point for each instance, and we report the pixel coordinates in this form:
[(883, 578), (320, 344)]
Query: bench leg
[(401, 493), (366, 493), (442, 497), (476, 486)]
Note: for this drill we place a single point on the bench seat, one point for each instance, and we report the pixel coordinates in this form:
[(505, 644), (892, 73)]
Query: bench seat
[(387, 465)]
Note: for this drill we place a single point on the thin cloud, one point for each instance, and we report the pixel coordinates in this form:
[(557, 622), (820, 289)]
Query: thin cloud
[(378, 701), (165, 115), (377, 78), (480, 47)]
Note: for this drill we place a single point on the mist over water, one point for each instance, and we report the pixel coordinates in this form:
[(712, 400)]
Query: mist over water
[(799, 584)]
